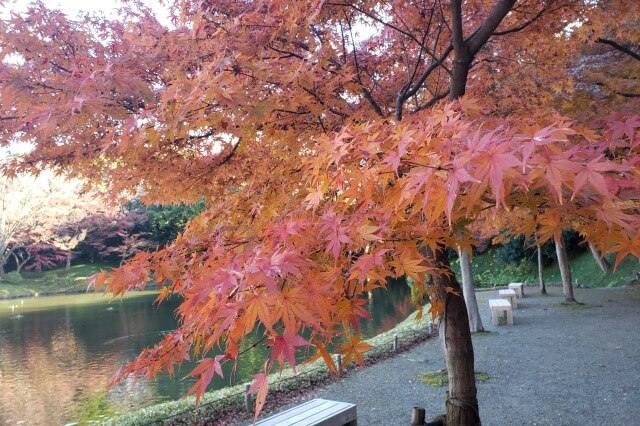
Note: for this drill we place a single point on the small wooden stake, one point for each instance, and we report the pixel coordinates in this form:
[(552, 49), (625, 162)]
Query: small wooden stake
[(339, 362), (395, 342), (417, 416), (247, 398)]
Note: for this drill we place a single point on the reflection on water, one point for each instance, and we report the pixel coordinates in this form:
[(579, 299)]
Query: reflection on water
[(58, 353)]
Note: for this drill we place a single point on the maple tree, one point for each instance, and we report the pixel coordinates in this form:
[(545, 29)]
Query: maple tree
[(165, 222), (323, 154), (39, 257), (114, 234)]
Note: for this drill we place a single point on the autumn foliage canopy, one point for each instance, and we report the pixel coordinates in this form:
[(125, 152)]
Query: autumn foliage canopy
[(319, 135)]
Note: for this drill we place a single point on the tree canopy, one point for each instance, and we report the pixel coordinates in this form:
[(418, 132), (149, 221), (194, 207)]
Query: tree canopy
[(318, 136)]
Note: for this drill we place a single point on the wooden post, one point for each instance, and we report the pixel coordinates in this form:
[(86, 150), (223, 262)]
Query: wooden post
[(247, 398), (395, 342), (430, 327), (339, 362), (417, 416)]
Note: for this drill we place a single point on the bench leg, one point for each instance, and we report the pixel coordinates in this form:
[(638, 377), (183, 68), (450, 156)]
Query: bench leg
[(514, 302), (494, 317), (509, 317)]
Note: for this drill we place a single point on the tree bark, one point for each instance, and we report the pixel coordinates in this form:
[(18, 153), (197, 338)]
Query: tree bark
[(68, 264), (462, 56), (565, 271), (543, 288), (600, 260), (475, 322), (20, 264), (462, 402)]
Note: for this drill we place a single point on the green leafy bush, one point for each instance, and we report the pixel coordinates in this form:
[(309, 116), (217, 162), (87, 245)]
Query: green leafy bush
[(512, 251)]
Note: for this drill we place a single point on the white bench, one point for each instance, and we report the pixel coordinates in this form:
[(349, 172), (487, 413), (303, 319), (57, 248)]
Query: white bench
[(500, 305), (518, 288), (315, 412), (509, 294)]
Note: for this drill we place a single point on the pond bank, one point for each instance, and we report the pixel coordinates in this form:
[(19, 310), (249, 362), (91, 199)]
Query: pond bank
[(52, 282), (226, 406)]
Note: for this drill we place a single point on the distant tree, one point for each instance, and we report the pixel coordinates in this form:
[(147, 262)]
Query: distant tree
[(39, 257), (113, 236), (512, 251), (32, 208), (165, 222), (132, 244)]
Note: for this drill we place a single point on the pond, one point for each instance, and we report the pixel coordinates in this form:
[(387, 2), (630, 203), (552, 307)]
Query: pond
[(57, 353)]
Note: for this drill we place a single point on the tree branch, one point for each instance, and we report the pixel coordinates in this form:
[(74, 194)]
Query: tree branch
[(486, 30), (406, 93), (521, 26), (457, 36), (433, 100), (367, 94), (377, 19), (619, 47)]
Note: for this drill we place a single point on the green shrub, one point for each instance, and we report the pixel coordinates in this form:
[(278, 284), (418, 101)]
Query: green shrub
[(14, 278), (512, 251)]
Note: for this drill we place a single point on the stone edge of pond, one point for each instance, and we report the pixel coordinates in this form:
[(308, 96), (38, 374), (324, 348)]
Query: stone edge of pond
[(215, 404)]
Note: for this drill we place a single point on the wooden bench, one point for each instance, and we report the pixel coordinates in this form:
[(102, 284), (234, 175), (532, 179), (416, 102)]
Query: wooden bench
[(509, 294), (518, 288), (315, 412), (500, 305)]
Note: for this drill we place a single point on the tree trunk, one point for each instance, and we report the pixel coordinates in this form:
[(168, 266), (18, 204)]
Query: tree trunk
[(68, 265), (462, 402), (475, 323), (20, 264), (565, 271), (2, 272), (543, 289), (600, 260)]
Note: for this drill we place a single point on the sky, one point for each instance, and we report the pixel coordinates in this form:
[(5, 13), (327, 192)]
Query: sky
[(73, 7), (70, 7)]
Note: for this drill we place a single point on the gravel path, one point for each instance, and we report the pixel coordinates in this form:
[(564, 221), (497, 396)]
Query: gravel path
[(555, 366)]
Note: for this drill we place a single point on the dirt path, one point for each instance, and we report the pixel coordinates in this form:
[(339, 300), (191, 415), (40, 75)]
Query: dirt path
[(555, 366)]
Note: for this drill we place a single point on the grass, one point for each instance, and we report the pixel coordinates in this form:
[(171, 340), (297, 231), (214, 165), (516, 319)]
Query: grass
[(49, 282), (484, 333), (575, 306), (488, 270), (438, 379), (95, 408)]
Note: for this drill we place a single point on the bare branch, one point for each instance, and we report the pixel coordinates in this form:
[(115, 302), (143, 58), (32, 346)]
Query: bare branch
[(521, 26), (619, 47), (433, 100), (486, 30), (406, 93), (377, 19), (367, 94)]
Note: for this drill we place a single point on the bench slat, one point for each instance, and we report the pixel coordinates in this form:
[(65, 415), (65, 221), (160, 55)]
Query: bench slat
[(324, 418), (309, 405), (499, 303), (318, 411), (298, 409), (298, 416)]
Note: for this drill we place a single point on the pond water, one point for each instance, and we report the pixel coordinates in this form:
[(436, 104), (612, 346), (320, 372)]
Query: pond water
[(58, 353)]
